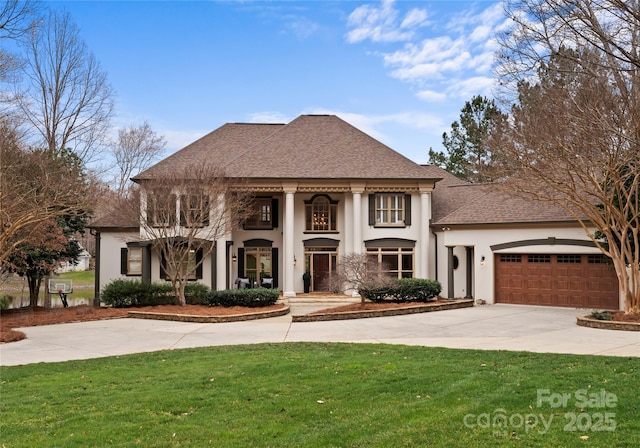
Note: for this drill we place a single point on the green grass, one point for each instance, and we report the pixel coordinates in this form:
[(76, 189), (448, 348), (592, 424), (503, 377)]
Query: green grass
[(314, 395), (17, 286), (80, 277)]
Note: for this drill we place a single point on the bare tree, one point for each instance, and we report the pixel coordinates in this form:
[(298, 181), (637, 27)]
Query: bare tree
[(17, 17), (182, 213), (358, 272), (134, 151), (573, 137), (67, 99)]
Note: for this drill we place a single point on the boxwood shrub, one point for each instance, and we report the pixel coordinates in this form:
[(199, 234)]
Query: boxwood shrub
[(243, 297), (404, 290), (123, 293), (196, 293)]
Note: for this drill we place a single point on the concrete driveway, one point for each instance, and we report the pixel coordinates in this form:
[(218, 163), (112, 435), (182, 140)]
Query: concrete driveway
[(488, 327)]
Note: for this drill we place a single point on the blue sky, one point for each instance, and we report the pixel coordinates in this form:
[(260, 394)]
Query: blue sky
[(399, 70)]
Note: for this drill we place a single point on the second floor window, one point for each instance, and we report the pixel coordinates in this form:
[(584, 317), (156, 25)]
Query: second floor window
[(161, 210), (321, 214), (262, 215), (194, 210), (390, 209)]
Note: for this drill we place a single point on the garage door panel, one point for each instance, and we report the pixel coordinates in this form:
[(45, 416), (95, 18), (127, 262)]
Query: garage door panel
[(559, 280)]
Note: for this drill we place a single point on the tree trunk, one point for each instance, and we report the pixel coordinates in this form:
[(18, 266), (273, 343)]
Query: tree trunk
[(34, 290)]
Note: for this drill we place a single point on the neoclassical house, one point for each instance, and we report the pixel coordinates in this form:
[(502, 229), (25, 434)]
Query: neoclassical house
[(323, 188)]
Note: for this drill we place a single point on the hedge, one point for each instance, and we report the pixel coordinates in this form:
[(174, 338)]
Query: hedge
[(243, 297), (196, 293), (126, 293), (404, 290)]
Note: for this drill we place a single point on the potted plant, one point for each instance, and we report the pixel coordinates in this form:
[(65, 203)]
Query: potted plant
[(306, 278)]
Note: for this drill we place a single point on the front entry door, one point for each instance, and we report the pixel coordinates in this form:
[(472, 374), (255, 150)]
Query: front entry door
[(320, 276)]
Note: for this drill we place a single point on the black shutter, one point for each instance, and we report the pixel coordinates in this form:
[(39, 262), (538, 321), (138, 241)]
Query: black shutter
[(199, 264), (163, 267), (407, 209), (274, 213), (183, 210), (274, 266), (240, 262), (372, 209), (124, 253)]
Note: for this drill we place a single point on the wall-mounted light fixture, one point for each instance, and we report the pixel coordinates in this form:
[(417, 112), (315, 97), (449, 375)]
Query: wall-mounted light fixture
[(482, 260), (234, 258), (295, 262)]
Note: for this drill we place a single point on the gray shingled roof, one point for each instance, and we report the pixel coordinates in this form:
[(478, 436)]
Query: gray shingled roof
[(311, 146), (485, 204), (216, 148)]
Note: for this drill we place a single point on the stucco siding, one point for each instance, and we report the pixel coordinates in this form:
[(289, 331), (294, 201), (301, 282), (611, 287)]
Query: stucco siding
[(481, 240)]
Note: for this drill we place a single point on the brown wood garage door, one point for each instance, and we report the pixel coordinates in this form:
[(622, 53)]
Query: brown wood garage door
[(581, 281)]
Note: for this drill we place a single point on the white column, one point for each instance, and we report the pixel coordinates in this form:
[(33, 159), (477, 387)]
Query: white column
[(222, 268), (221, 263), (356, 190), (357, 221), (289, 247), (424, 246)]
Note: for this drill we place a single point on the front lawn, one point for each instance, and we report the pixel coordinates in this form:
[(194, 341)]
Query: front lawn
[(323, 395)]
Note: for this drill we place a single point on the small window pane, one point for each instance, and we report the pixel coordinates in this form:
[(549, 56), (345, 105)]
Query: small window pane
[(539, 258), (573, 259)]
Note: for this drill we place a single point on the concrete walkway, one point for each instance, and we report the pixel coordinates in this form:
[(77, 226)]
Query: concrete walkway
[(489, 327)]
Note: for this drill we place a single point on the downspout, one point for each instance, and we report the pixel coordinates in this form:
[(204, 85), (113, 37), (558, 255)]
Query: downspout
[(96, 288), (435, 235)]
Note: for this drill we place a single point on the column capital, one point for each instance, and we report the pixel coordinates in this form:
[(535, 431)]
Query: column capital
[(358, 187), (290, 187), (425, 188)]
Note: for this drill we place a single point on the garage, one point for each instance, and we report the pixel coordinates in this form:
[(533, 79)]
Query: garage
[(571, 280)]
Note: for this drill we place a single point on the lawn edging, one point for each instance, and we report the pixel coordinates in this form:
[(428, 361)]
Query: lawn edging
[(607, 324), (210, 319), (421, 308)]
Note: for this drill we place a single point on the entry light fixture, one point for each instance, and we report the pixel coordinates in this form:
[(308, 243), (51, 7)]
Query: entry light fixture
[(234, 258), (295, 262)]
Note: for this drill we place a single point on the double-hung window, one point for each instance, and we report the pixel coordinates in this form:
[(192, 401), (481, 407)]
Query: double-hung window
[(161, 210), (262, 215), (134, 261), (390, 209), (194, 210)]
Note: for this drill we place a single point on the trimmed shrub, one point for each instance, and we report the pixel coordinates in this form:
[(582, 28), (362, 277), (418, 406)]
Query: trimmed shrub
[(417, 289), (601, 315), (126, 293), (404, 290), (243, 297), (5, 301), (196, 293)]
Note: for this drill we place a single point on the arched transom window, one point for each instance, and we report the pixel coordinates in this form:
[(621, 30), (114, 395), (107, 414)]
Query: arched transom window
[(321, 214)]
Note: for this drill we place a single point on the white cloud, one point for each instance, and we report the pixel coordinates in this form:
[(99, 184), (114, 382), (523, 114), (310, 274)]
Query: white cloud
[(466, 88), (383, 23), (431, 96), (269, 117), (455, 61), (415, 17), (179, 139)]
